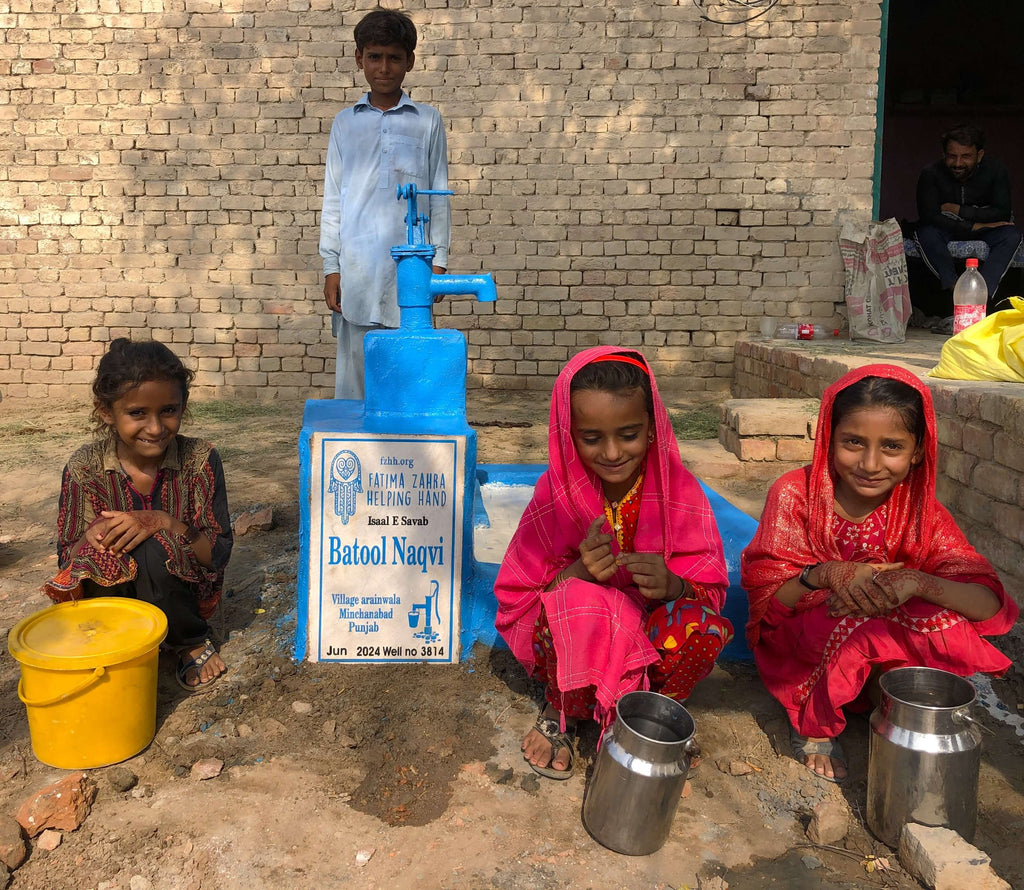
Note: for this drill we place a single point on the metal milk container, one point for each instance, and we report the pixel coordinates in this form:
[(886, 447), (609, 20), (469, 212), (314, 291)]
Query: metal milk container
[(639, 775), (925, 754)]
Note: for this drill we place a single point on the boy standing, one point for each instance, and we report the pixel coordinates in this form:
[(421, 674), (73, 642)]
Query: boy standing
[(384, 140)]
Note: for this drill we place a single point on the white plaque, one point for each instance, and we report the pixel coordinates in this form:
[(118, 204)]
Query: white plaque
[(385, 549)]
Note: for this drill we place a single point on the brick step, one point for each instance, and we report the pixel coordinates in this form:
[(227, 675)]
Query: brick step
[(768, 429)]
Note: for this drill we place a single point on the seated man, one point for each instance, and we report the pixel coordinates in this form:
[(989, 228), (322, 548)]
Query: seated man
[(965, 196)]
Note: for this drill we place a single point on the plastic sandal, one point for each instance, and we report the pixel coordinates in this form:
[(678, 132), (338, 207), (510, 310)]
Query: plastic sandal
[(195, 664), (550, 730), (803, 746)]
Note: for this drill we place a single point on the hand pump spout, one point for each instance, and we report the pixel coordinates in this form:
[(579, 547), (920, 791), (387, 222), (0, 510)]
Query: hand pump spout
[(480, 286), (417, 284)]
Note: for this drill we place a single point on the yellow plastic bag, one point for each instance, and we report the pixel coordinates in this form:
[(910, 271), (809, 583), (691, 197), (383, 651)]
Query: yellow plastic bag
[(990, 349)]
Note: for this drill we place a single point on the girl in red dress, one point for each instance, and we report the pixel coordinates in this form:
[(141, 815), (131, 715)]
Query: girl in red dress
[(856, 568)]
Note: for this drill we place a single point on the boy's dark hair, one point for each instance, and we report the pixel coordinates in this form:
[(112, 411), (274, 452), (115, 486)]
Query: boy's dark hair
[(881, 392), (964, 134), (615, 377), (128, 364), (384, 27)]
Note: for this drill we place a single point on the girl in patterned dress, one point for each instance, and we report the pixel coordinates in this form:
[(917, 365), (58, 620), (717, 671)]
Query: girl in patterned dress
[(143, 510), (615, 577), (856, 568)]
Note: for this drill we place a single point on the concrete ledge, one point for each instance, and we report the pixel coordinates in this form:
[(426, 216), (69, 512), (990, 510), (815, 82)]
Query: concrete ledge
[(769, 429), (771, 417)]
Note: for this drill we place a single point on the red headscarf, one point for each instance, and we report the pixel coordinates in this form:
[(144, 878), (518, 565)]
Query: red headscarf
[(675, 518), (795, 528)]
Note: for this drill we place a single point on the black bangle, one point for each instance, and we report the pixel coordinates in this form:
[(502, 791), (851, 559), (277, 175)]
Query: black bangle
[(189, 536), (803, 579), (683, 594)]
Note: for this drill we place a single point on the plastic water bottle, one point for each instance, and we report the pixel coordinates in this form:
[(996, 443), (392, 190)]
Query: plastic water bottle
[(970, 297), (805, 332)]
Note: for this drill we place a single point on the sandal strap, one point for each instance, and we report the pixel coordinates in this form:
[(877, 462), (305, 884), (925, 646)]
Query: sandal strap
[(547, 727), (208, 652), (803, 747), (197, 663), (551, 730)]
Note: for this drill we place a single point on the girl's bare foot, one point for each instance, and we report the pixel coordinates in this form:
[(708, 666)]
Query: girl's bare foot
[(538, 749)]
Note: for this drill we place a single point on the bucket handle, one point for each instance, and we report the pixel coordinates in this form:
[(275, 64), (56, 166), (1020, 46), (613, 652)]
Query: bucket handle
[(42, 703), (965, 717), (690, 749)]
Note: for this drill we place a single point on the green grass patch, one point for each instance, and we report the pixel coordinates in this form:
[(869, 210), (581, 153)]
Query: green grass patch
[(696, 423), (220, 411), (21, 429)]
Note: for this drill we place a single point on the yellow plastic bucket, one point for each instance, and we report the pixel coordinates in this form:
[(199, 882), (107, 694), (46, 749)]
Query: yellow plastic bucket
[(88, 679)]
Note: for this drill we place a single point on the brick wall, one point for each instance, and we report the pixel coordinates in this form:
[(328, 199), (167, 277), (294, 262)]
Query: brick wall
[(628, 172)]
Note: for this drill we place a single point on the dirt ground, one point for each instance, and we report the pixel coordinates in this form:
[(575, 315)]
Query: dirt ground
[(399, 776)]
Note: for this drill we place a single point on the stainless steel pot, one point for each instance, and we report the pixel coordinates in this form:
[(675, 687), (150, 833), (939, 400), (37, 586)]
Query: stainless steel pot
[(639, 774), (925, 754)]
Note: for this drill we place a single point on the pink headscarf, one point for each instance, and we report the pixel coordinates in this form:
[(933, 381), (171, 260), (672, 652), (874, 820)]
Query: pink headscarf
[(675, 518)]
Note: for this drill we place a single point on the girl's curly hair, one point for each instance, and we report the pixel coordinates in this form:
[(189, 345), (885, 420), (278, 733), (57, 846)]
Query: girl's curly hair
[(128, 364)]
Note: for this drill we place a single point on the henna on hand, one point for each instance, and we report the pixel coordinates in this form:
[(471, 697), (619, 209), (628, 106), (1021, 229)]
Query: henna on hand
[(928, 586), (146, 520), (904, 584), (836, 574), (126, 530), (854, 589)]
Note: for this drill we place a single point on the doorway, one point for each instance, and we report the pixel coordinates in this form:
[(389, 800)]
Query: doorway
[(948, 62)]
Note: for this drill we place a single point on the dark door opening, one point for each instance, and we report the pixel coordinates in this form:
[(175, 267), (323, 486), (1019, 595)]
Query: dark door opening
[(950, 62)]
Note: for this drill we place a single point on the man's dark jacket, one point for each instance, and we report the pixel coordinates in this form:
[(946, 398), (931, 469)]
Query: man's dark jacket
[(983, 197)]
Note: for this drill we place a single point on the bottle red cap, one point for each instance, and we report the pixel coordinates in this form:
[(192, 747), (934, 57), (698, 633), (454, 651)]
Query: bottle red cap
[(972, 263)]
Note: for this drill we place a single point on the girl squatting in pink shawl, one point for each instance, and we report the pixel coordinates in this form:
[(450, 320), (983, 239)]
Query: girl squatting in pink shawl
[(856, 568), (615, 577)]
